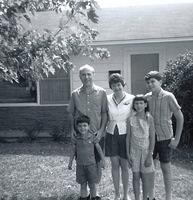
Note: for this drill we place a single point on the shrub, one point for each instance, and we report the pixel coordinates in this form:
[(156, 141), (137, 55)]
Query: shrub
[(179, 80), (33, 132), (58, 133)]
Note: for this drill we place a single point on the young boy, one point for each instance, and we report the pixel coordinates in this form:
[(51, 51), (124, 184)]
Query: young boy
[(163, 105), (86, 167)]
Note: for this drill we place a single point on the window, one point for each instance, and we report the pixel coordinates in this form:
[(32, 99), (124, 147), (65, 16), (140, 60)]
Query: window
[(56, 88), (114, 71), (22, 92), (52, 90)]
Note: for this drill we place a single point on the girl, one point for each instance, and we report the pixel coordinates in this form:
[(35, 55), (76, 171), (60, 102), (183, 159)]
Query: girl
[(140, 144)]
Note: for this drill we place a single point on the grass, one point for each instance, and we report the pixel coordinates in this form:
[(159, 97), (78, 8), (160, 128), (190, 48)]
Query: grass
[(38, 171)]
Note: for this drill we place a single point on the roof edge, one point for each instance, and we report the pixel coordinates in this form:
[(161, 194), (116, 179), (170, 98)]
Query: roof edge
[(139, 41)]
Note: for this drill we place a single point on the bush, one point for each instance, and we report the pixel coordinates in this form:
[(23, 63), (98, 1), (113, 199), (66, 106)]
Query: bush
[(58, 133), (33, 132), (179, 80)]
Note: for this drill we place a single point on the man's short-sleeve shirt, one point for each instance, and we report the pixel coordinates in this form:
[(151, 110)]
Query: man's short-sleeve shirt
[(162, 108), (92, 105)]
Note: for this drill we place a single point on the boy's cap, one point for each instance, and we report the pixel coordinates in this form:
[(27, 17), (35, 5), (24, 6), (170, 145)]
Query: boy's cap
[(153, 74)]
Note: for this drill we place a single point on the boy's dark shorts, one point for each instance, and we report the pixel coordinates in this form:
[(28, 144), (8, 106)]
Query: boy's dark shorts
[(163, 151), (88, 173)]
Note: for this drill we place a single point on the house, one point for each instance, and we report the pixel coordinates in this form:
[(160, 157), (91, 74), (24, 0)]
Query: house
[(139, 38)]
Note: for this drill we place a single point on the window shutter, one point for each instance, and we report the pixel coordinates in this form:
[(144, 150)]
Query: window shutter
[(55, 90)]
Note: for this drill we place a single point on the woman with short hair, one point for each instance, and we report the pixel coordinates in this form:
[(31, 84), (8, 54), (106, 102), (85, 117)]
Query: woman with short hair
[(119, 109)]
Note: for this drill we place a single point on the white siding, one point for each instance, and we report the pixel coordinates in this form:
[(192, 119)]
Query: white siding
[(120, 60)]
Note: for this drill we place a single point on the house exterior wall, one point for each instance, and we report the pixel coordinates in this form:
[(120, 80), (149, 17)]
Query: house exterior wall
[(121, 60), (115, 62), (20, 116), (16, 120), (49, 109)]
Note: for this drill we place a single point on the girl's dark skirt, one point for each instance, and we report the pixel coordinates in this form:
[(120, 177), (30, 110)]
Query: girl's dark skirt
[(115, 144)]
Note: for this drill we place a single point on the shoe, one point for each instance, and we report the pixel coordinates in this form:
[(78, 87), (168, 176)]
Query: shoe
[(96, 198), (84, 198)]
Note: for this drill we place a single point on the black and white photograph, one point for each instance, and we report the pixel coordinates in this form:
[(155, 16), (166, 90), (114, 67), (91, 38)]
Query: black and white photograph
[(96, 99)]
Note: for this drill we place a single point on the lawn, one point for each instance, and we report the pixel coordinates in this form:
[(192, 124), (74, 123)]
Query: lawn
[(38, 171)]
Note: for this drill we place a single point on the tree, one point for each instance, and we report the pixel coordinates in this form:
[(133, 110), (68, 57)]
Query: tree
[(32, 55), (179, 80)]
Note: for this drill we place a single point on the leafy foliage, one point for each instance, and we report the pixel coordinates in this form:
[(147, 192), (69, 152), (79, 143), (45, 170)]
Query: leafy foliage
[(179, 80), (33, 132), (58, 133), (32, 55)]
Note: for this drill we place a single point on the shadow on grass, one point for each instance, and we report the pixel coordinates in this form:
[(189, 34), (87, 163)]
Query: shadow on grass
[(183, 158), (64, 197)]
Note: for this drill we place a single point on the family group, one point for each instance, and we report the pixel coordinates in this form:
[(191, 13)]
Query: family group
[(133, 131)]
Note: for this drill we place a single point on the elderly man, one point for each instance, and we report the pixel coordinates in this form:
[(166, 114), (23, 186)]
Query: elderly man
[(89, 100)]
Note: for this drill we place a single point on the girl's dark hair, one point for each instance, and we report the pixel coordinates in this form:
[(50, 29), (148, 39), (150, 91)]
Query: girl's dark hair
[(140, 97), (116, 78), (82, 119)]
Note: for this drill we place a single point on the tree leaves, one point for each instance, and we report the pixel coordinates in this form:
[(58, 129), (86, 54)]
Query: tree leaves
[(179, 80), (33, 55), (92, 15), (27, 18)]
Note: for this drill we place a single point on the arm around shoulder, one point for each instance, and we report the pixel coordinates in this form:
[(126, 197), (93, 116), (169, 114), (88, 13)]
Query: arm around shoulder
[(104, 116), (148, 161), (151, 135), (101, 154), (128, 142)]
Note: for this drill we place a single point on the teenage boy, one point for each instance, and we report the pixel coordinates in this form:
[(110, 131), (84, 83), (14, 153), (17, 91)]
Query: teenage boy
[(86, 166), (163, 105)]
